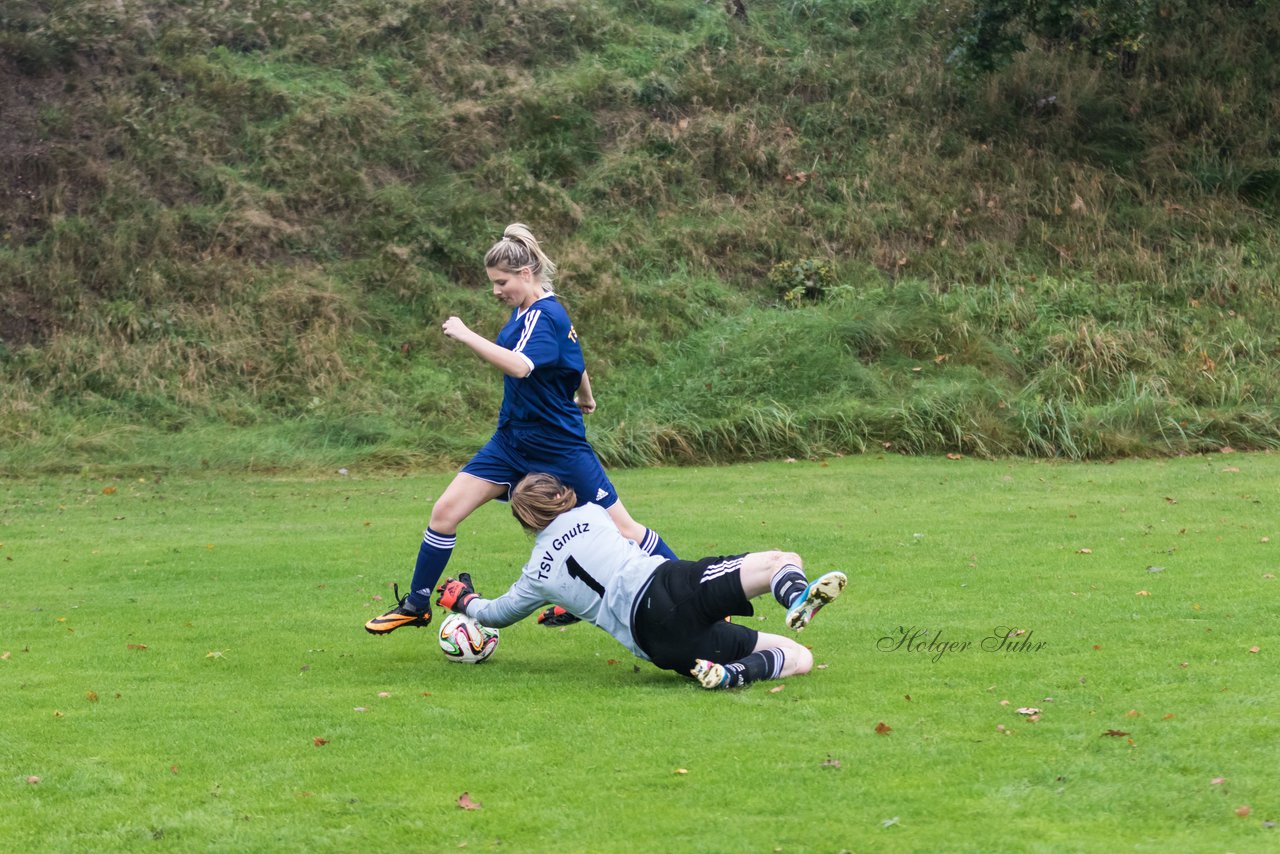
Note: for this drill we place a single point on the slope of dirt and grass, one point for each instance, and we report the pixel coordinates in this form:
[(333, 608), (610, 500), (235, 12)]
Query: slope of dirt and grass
[(229, 231)]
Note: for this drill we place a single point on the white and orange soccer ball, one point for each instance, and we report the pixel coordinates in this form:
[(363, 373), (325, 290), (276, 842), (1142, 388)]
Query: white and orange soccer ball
[(465, 640)]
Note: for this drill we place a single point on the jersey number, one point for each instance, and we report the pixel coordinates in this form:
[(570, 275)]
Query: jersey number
[(576, 571)]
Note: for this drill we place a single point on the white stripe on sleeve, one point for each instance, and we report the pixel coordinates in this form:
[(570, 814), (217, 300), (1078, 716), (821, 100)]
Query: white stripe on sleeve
[(530, 321)]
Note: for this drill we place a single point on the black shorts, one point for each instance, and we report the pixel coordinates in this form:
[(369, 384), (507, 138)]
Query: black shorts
[(681, 615)]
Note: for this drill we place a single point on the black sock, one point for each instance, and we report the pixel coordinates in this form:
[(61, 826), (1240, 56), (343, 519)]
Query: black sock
[(765, 664), (788, 583)]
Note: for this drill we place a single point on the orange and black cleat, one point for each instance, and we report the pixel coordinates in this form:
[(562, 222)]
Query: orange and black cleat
[(400, 615), (555, 617)]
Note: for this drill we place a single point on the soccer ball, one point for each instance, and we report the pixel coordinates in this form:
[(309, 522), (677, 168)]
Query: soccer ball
[(465, 640)]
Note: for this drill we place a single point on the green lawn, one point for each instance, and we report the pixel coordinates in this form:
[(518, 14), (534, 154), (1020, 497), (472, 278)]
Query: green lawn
[(184, 669)]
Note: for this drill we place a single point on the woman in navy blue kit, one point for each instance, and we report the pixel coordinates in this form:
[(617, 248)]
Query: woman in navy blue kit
[(546, 391)]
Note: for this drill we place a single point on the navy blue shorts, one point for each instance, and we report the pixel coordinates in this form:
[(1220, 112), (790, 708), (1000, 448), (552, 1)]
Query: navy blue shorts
[(514, 452), (681, 615)]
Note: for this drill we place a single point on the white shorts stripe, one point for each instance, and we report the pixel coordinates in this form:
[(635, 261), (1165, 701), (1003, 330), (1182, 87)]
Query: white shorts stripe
[(725, 567)]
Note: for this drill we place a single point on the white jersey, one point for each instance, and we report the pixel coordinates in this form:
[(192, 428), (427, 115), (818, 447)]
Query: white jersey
[(582, 563)]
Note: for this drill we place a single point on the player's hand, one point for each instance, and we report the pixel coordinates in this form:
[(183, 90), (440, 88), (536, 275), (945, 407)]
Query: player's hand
[(455, 593), (587, 404), (555, 616), (454, 328)]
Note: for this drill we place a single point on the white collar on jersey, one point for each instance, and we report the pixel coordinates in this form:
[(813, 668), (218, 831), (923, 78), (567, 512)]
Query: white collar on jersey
[(520, 311)]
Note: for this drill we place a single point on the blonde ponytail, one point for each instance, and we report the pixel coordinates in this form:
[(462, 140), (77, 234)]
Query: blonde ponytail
[(519, 248)]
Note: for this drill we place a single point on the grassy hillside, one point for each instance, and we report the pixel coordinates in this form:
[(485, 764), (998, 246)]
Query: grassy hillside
[(229, 232)]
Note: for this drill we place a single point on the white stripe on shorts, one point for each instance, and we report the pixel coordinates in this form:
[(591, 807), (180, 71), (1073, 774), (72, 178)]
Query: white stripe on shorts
[(723, 568)]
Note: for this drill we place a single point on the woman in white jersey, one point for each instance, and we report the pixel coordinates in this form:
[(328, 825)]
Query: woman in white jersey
[(670, 612), (546, 391)]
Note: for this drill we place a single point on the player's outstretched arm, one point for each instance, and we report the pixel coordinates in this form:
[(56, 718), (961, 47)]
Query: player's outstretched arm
[(511, 364), (521, 600)]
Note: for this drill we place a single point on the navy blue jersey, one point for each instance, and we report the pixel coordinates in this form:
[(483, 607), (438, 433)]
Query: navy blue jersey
[(544, 335)]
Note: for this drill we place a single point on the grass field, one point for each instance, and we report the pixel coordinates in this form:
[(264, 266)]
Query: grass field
[(184, 669)]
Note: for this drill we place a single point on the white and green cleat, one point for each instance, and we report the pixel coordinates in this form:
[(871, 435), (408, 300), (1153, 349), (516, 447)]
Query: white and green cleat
[(709, 674), (818, 593)]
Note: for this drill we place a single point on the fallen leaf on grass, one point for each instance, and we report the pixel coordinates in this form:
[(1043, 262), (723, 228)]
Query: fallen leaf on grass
[(681, 771), (776, 689), (1255, 649), (1116, 733), (108, 490), (1243, 810), (883, 728), (464, 801), (1217, 781), (33, 779), (319, 742), (1133, 713), (1028, 710), (830, 763), (91, 696), (1143, 593), (1084, 551)]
